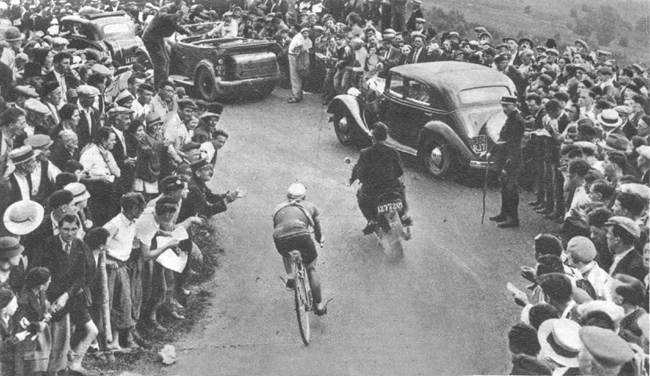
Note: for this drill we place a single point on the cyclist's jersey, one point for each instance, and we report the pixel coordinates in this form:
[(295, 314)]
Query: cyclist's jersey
[(293, 218)]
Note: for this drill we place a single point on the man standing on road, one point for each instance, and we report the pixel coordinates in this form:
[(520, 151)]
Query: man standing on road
[(163, 25), (510, 162), (291, 222)]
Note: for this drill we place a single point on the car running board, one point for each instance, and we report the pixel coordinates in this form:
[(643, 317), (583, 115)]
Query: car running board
[(178, 79), (400, 147)]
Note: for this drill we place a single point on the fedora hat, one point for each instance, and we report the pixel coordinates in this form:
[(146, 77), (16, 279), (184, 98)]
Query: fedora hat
[(610, 118), (23, 217), (560, 341), (10, 247), (615, 142)]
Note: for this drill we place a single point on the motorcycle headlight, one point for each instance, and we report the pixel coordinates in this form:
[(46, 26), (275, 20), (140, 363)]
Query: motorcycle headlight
[(353, 91)]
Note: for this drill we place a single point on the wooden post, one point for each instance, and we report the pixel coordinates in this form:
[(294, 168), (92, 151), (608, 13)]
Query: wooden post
[(106, 312)]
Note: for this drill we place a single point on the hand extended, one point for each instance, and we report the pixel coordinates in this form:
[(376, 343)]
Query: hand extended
[(528, 273), (173, 243), (111, 265), (60, 302)]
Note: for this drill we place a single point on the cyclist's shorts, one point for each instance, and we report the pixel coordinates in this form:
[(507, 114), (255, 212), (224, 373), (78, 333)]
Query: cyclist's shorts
[(303, 243)]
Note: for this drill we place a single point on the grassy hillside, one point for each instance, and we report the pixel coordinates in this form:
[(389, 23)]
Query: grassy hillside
[(558, 19)]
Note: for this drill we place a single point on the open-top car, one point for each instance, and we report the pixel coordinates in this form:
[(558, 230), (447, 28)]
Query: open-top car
[(110, 33), (219, 68), (447, 113)]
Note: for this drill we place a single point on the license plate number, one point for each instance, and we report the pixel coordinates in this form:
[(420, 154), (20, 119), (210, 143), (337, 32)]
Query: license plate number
[(131, 59), (385, 208), (479, 144)]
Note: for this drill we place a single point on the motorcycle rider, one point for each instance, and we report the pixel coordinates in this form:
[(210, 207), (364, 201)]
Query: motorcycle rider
[(291, 222), (378, 170)]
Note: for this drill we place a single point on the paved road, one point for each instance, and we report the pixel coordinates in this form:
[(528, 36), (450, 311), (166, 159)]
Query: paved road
[(444, 310)]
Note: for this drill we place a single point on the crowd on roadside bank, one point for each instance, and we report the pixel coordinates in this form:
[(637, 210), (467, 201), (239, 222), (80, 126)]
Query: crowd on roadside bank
[(105, 167)]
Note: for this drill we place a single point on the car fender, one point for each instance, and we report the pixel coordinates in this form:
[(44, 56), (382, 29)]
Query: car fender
[(350, 103), (440, 129), (205, 64)]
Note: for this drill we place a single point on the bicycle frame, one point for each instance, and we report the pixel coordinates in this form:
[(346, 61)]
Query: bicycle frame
[(302, 292)]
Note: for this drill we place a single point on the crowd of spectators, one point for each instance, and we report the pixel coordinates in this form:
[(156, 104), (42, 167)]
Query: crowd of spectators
[(104, 167)]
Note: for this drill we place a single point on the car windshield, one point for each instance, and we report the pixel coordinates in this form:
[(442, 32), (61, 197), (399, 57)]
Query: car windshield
[(491, 94), (118, 30)]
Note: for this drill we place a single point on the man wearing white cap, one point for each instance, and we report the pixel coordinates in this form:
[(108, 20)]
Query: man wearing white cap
[(44, 176), (580, 254), (291, 222)]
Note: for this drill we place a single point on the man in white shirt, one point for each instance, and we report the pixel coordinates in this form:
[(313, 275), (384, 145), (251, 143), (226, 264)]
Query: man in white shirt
[(176, 131), (118, 251), (228, 28), (163, 103), (299, 44), (580, 254), (142, 105)]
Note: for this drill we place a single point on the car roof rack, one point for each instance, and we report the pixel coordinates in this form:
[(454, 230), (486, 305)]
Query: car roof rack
[(94, 16)]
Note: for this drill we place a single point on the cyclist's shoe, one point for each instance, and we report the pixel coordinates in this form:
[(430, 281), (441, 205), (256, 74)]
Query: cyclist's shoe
[(321, 311), (370, 228), (291, 284)]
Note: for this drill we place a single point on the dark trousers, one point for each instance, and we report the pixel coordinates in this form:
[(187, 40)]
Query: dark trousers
[(159, 60), (510, 201)]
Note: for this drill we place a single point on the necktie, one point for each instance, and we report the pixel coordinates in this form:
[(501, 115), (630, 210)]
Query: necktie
[(67, 248)]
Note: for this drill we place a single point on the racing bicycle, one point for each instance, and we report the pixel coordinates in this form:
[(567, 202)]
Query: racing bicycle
[(302, 294)]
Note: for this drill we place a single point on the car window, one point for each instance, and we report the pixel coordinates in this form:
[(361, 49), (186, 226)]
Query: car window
[(417, 92), (117, 30), (492, 94), (397, 85)]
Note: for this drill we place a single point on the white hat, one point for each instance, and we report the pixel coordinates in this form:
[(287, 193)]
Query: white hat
[(23, 217), (296, 190), (79, 192), (610, 118), (560, 341), (614, 311)]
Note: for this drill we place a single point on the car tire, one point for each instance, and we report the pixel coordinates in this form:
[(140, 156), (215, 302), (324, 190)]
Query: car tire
[(345, 127), (206, 85), (438, 158), (265, 91)]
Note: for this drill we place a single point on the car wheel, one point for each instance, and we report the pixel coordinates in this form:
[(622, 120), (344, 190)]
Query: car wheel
[(265, 91), (344, 126), (206, 84), (438, 158)]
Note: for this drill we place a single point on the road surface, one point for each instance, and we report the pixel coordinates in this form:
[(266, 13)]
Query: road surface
[(444, 310)]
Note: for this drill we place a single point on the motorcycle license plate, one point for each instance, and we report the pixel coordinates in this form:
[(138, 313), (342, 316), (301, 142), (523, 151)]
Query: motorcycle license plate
[(385, 208)]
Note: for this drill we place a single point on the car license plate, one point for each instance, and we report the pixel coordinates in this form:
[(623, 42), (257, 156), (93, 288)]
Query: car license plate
[(479, 143), (385, 208)]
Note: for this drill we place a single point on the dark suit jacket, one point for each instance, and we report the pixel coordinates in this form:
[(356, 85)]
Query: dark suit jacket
[(70, 80), (422, 58), (201, 201), (379, 166), (84, 132), (59, 155), (632, 265), (61, 265)]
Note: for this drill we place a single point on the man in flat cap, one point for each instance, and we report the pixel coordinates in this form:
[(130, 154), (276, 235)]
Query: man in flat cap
[(89, 117), (163, 25), (509, 161), (622, 234), (602, 352)]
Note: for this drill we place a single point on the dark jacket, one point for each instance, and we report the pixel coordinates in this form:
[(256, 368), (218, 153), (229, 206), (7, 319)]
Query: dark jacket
[(59, 155), (410, 24), (379, 166), (508, 154), (62, 266), (632, 265), (162, 26), (201, 201), (84, 131)]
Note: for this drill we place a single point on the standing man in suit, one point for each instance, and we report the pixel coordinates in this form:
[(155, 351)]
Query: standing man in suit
[(51, 97), (391, 57), (416, 13), (119, 119), (510, 163), (622, 233), (62, 74), (89, 116), (24, 160)]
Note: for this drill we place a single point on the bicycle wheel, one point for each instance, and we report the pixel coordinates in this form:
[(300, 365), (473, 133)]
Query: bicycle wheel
[(302, 313)]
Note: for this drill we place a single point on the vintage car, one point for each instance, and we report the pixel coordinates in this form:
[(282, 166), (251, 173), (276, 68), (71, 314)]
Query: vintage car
[(446, 113), (111, 33), (222, 68)]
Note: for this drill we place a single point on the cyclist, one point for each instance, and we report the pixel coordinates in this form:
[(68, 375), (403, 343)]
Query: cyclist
[(378, 170), (291, 222)]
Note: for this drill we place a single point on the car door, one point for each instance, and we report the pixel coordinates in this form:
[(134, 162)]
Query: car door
[(409, 109)]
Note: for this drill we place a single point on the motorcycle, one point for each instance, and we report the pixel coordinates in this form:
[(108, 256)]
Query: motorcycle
[(389, 229)]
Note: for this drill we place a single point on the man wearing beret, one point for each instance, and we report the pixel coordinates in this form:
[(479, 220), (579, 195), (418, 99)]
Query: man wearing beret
[(509, 161)]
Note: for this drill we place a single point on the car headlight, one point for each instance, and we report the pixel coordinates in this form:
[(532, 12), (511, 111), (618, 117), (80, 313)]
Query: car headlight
[(353, 91)]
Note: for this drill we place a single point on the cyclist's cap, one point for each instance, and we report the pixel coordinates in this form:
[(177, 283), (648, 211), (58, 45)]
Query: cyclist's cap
[(296, 190)]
